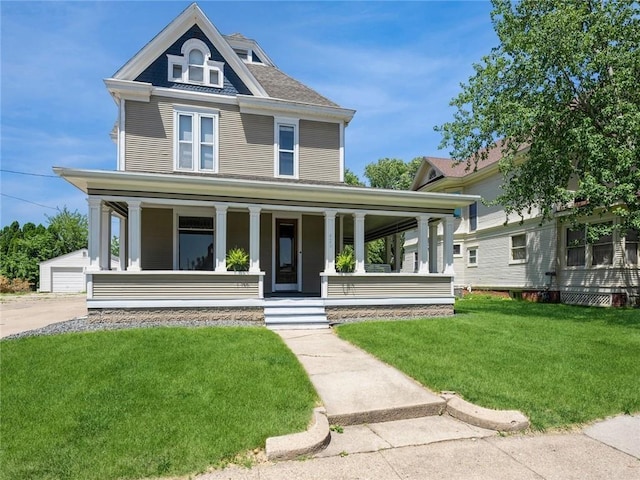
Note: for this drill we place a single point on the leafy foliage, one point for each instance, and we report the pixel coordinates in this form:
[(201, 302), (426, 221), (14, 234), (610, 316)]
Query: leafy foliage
[(237, 260), (22, 248), (351, 178), (559, 96), (345, 260), (392, 173)]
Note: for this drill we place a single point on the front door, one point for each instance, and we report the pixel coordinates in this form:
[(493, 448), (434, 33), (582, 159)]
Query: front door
[(286, 254)]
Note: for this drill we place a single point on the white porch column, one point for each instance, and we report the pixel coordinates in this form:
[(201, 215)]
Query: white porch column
[(423, 243), (397, 255), (341, 244), (122, 242), (135, 235), (433, 247), (105, 238), (447, 246), (94, 233), (358, 240), (330, 241), (221, 238), (254, 239)]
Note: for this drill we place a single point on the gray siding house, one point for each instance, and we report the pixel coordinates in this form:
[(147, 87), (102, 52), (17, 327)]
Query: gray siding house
[(526, 254), (217, 149)]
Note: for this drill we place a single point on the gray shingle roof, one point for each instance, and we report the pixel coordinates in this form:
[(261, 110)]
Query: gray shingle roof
[(280, 85)]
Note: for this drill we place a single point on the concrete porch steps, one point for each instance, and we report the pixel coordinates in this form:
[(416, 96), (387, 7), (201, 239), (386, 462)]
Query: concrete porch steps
[(294, 313)]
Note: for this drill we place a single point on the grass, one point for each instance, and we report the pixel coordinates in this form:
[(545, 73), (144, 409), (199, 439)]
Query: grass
[(147, 402), (561, 365)]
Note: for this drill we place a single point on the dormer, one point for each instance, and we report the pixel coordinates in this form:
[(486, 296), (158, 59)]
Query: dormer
[(248, 50), (195, 66)]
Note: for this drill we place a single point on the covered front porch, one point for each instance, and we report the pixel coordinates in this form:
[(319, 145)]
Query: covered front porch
[(174, 248)]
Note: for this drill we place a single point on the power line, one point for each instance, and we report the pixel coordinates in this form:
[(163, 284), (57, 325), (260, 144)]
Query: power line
[(28, 201), (27, 173)]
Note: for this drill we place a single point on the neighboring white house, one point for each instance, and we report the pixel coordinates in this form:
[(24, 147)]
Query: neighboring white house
[(66, 272), (526, 255)]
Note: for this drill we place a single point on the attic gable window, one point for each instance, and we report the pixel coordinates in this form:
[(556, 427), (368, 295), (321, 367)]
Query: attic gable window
[(247, 55), (195, 66)]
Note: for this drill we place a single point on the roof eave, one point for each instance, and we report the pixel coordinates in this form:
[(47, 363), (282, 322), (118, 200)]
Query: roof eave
[(260, 106), (260, 189)]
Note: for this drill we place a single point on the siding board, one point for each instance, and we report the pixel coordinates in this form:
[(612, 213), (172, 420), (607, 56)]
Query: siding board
[(130, 287), (157, 239), (388, 286), (319, 153)]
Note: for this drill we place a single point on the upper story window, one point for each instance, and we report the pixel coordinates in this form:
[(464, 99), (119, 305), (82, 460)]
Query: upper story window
[(247, 55), (195, 140), (195, 65), (286, 147), (473, 217)]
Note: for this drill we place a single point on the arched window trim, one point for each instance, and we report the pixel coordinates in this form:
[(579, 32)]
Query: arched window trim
[(179, 71)]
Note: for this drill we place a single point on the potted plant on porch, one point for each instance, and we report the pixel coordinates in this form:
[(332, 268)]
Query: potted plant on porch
[(345, 260), (237, 260)]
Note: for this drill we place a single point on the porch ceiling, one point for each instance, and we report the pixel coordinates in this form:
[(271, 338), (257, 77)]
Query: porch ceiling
[(223, 189)]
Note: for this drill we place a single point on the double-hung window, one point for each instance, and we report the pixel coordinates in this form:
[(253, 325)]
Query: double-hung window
[(575, 247), (602, 250), (518, 248), (472, 257), (631, 240), (196, 140), (286, 148)]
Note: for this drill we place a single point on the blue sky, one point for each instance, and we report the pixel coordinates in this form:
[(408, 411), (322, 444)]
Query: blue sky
[(397, 63)]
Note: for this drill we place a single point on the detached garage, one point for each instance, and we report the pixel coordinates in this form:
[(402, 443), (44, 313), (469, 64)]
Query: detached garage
[(65, 274)]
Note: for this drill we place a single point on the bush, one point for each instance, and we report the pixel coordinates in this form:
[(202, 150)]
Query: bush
[(16, 285)]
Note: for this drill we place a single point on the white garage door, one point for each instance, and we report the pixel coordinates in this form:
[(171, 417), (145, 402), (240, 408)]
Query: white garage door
[(67, 279)]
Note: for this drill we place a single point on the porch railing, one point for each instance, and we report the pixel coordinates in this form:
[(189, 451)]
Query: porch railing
[(386, 285)]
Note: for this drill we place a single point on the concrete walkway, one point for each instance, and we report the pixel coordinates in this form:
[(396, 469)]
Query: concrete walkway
[(523, 457), (355, 387), (391, 429)]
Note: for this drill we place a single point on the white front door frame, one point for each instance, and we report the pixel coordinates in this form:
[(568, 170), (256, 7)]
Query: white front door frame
[(296, 287)]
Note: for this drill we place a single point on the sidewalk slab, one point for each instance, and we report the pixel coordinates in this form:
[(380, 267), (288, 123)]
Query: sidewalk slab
[(355, 387), (400, 433), (568, 456), (622, 433)]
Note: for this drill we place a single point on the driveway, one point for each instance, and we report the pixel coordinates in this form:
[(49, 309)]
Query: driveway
[(19, 313)]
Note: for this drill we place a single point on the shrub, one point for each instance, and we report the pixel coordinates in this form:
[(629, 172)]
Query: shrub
[(16, 285)]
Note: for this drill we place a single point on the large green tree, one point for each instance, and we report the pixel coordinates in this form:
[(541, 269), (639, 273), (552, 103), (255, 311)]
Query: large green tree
[(23, 248), (560, 96), (392, 173)]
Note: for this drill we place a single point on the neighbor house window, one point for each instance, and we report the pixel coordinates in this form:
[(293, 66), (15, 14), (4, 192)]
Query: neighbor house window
[(195, 65), (576, 249), (631, 241), (195, 243), (602, 250), (472, 256), (196, 140), (518, 248), (286, 148), (473, 216)]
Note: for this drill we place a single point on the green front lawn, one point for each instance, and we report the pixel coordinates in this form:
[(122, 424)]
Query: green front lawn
[(147, 402), (559, 364)]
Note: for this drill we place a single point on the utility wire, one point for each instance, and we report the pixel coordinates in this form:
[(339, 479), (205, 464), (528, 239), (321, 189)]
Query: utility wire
[(27, 173), (28, 201)]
